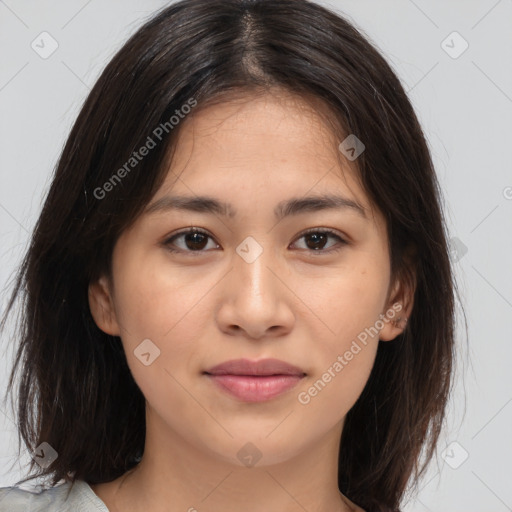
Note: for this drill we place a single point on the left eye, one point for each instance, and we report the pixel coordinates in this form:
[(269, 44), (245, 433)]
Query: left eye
[(196, 240), (318, 237)]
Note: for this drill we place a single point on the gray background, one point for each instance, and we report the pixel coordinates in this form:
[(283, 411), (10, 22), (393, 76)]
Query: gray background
[(465, 107)]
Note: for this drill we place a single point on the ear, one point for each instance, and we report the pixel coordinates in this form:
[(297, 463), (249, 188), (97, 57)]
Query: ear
[(102, 306), (400, 303)]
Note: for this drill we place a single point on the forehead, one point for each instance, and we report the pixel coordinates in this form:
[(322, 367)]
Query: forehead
[(288, 124), (260, 141)]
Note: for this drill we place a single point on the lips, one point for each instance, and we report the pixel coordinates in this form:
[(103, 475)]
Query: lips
[(255, 381), (252, 368)]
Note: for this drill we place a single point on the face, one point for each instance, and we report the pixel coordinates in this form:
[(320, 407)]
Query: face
[(303, 282)]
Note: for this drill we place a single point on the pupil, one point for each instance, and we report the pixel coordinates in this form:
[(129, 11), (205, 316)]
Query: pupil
[(316, 242), (195, 240)]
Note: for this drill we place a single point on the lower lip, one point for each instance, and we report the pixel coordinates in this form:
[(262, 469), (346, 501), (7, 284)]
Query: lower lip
[(255, 388)]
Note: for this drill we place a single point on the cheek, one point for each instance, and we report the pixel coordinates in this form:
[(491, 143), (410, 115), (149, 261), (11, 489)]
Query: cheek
[(154, 299), (346, 300), (343, 362), (167, 308), (153, 307), (347, 306)]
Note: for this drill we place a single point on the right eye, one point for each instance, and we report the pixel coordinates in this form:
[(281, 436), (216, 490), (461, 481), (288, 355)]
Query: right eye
[(194, 240)]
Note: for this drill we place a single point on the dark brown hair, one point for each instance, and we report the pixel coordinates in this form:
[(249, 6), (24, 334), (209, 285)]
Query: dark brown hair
[(76, 391)]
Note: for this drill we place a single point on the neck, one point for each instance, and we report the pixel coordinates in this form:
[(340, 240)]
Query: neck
[(175, 475)]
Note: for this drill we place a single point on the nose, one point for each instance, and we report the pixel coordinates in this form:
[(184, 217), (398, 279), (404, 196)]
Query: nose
[(255, 299)]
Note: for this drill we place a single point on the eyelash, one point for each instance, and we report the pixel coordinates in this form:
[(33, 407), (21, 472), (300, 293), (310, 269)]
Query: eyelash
[(332, 233)]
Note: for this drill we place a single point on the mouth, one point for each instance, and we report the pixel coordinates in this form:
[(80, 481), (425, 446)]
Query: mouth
[(255, 381)]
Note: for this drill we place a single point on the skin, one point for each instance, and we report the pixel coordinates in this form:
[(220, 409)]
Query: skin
[(292, 303)]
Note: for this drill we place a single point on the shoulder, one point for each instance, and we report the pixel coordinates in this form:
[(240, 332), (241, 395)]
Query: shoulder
[(68, 496)]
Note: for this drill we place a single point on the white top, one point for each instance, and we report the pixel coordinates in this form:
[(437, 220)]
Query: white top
[(65, 497)]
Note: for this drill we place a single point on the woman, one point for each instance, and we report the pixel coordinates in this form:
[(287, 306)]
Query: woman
[(238, 293)]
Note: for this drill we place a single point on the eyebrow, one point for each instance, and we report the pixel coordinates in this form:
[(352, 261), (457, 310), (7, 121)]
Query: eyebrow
[(293, 206)]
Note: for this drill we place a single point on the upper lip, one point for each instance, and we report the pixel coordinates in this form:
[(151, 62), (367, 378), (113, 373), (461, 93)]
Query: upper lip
[(261, 367)]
